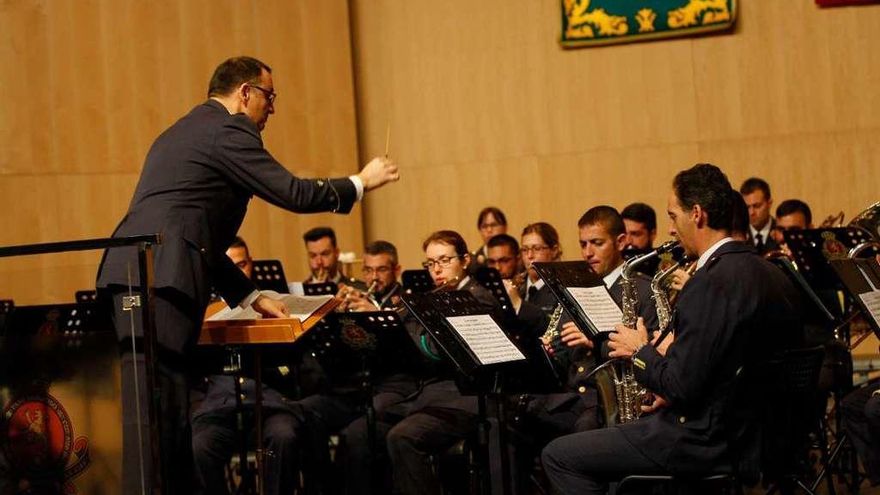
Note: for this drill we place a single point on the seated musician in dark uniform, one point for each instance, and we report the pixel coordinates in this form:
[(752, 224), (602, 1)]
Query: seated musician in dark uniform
[(491, 222), (736, 311), (640, 222), (432, 420), (214, 432), (503, 255), (539, 242), (545, 417), (381, 271)]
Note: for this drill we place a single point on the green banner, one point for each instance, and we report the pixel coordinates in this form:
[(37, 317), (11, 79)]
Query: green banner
[(602, 22)]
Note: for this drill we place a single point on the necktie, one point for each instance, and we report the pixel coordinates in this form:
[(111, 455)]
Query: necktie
[(759, 242), (533, 291)]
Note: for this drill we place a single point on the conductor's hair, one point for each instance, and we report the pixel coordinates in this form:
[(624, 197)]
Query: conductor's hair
[(234, 72)]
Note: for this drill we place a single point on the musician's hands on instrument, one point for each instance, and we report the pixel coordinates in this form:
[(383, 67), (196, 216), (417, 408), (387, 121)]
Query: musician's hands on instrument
[(679, 278), (658, 403), (513, 294), (625, 341), (270, 308), (667, 341), (572, 336), (378, 172)]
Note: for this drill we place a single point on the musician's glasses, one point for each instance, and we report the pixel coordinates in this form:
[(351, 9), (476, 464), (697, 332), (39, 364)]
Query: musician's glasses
[(534, 249), (442, 262), (381, 270)]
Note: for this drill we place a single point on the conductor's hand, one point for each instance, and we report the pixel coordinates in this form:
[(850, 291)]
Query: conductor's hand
[(378, 172), (270, 308), (624, 341)]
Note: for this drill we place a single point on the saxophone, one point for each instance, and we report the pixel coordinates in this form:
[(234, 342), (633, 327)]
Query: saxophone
[(660, 294), (620, 373), (551, 335)]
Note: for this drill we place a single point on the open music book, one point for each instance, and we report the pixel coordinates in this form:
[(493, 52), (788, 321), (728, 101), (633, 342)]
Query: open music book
[(300, 307)]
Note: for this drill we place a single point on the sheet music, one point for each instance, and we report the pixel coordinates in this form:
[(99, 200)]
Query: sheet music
[(300, 307), (598, 306), (486, 339), (872, 302)]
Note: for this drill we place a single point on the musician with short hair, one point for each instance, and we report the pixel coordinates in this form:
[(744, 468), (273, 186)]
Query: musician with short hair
[(791, 215), (381, 271), (439, 415), (539, 243), (756, 192), (503, 255), (735, 312), (640, 222), (323, 254)]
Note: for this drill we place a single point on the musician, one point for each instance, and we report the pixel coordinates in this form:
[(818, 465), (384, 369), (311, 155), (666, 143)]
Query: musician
[(439, 415), (861, 419), (756, 193), (214, 432), (640, 221), (503, 255), (381, 271), (239, 253), (736, 311), (197, 180), (540, 242), (323, 256), (791, 215), (491, 222)]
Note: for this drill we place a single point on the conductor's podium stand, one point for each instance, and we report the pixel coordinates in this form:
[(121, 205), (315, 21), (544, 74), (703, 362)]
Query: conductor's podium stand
[(60, 392)]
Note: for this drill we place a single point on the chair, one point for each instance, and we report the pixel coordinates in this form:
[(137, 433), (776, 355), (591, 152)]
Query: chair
[(791, 418)]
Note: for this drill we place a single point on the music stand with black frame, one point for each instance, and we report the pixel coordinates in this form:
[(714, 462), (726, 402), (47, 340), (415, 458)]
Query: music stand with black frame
[(269, 275), (858, 277), (472, 375), (360, 344), (416, 281)]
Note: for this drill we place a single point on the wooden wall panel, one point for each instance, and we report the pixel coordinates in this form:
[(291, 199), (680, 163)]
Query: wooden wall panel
[(91, 83), (486, 108)]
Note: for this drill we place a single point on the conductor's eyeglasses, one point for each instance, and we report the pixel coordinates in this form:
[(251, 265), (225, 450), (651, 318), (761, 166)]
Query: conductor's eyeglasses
[(270, 95)]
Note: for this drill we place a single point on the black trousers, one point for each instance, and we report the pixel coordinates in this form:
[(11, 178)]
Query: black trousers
[(215, 440), (584, 463), (172, 311), (861, 419)]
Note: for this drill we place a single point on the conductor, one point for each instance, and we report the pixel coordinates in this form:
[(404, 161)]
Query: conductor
[(197, 180)]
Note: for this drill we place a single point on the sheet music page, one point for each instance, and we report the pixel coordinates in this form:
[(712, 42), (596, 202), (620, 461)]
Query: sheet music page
[(486, 339), (872, 302), (598, 306), (300, 307)]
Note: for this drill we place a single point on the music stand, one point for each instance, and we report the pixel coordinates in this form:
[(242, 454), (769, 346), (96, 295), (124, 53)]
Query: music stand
[(812, 249), (479, 351), (269, 275), (235, 336), (791, 271), (416, 281), (86, 296), (560, 276), (490, 278), (861, 279), (319, 289)]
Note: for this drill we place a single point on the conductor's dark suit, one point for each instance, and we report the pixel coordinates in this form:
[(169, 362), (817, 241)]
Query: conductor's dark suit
[(735, 311), (194, 190)]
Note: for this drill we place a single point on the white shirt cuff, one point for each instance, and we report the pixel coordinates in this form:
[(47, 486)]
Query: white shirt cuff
[(246, 302), (358, 185)]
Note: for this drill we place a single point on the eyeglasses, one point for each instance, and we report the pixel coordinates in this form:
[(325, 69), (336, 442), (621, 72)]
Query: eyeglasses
[(534, 249), (488, 226), (495, 261), (442, 262), (381, 270), (270, 95)]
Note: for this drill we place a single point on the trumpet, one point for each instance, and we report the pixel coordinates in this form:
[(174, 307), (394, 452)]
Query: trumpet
[(349, 293)]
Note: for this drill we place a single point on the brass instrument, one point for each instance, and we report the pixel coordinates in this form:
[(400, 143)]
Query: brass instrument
[(833, 220), (629, 394)]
